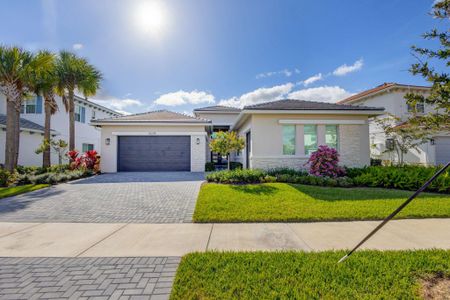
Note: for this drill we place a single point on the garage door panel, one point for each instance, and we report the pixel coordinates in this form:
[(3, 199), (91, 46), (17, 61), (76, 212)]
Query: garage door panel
[(154, 153), (442, 146)]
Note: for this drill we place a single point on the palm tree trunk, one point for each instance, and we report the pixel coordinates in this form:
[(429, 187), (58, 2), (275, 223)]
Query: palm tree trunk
[(16, 133), (46, 154), (71, 120), (10, 144)]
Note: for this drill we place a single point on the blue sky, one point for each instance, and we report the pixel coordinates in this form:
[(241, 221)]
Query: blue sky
[(178, 54)]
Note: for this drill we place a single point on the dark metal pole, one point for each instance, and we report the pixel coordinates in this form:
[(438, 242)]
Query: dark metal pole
[(395, 212)]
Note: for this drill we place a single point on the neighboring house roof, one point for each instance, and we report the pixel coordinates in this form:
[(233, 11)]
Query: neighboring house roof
[(159, 116), (381, 88), (97, 106), (289, 104), (25, 125), (217, 108)]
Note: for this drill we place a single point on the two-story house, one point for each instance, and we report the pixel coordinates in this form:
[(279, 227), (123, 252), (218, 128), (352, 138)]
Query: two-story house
[(87, 137), (391, 96)]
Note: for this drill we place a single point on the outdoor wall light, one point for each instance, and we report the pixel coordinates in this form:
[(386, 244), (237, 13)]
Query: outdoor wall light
[(197, 141), (107, 141), (432, 142)]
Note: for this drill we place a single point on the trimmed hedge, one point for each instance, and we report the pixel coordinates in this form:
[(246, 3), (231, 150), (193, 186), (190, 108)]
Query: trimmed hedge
[(53, 177), (405, 178)]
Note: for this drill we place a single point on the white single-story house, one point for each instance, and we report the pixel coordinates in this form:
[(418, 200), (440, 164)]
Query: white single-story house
[(277, 134)]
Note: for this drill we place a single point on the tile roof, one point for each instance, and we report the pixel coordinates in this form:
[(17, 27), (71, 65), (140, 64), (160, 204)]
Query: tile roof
[(24, 124), (380, 88), (161, 116), (218, 108), (289, 104)]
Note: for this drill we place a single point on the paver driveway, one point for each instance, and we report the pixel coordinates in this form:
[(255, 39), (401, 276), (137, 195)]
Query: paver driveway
[(110, 198)]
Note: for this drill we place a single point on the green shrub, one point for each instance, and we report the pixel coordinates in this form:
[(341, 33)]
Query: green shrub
[(405, 178), (236, 176), (5, 177), (209, 167), (235, 165), (286, 171)]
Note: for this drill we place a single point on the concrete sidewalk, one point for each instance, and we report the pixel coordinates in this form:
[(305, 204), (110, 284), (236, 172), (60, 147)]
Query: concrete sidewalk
[(127, 240)]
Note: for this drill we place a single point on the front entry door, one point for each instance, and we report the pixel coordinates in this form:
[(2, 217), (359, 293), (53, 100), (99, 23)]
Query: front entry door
[(248, 149)]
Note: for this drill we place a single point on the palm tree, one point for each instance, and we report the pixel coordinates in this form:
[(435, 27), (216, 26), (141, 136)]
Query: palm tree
[(17, 67), (45, 85), (75, 73)]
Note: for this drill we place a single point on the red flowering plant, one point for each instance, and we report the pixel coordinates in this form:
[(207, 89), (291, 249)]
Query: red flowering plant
[(324, 163), (89, 160)]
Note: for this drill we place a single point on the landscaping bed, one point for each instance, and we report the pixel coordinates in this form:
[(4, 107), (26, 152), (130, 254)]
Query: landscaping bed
[(314, 275), (405, 178), (282, 202), (21, 189)]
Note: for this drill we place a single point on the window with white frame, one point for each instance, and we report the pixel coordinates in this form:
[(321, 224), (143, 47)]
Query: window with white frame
[(80, 114), (310, 138), (332, 136), (31, 106), (288, 140), (87, 147)]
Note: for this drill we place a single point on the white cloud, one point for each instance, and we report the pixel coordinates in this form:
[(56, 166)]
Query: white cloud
[(285, 72), (321, 94), (77, 46), (182, 97), (121, 105), (312, 79), (344, 69), (259, 95)]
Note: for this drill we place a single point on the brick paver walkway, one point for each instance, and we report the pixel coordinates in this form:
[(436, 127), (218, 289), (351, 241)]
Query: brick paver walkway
[(110, 198), (87, 278)]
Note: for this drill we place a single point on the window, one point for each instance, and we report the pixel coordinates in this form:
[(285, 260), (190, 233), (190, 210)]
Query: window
[(32, 106), (310, 138), (289, 140), (87, 147), (80, 114), (331, 136), (420, 108)]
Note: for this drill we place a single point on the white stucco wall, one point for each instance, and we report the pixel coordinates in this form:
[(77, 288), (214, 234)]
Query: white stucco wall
[(267, 145), (84, 133), (109, 152)]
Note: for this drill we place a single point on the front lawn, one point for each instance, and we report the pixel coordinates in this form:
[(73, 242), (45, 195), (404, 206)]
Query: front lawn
[(300, 275), (277, 202), (16, 190)]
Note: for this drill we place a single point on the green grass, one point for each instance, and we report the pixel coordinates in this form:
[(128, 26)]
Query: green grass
[(300, 275), (16, 190), (277, 202)]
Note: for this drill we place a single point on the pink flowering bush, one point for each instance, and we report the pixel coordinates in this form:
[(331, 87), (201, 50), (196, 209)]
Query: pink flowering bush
[(324, 163)]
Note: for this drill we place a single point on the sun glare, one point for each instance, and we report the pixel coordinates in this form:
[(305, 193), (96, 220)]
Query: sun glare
[(151, 17)]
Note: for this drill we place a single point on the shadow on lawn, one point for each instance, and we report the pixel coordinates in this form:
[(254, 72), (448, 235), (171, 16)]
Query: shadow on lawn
[(337, 194), (256, 189)]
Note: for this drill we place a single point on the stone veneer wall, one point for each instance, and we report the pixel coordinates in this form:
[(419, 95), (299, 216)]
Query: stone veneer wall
[(351, 145)]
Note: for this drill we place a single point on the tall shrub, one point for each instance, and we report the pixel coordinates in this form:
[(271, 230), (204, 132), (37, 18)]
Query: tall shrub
[(324, 162)]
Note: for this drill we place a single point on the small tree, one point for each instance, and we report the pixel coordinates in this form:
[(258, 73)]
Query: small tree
[(438, 98), (224, 143), (59, 146), (404, 136)]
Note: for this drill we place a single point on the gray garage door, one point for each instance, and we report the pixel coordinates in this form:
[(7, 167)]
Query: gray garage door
[(442, 146), (154, 153)]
